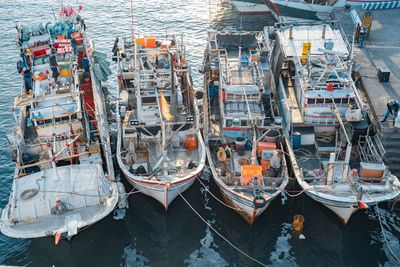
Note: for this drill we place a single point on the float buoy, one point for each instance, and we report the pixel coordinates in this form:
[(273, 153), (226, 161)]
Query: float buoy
[(259, 202)]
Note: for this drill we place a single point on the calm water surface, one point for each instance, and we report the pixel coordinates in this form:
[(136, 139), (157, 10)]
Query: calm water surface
[(149, 236)]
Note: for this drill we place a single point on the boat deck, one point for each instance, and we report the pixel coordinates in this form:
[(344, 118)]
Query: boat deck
[(82, 190), (295, 111)]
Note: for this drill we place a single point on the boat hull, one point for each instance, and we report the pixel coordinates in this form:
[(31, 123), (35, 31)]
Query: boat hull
[(343, 210), (244, 206), (346, 208), (164, 192), (50, 226), (250, 8), (287, 10)]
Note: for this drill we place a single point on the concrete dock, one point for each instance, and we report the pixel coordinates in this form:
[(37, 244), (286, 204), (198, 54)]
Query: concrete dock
[(380, 49)]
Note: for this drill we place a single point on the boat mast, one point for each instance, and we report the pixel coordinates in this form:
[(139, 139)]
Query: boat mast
[(349, 145), (164, 153), (133, 36)]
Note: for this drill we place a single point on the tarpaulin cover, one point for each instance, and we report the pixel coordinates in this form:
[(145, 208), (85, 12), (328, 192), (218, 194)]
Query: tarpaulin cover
[(101, 66)]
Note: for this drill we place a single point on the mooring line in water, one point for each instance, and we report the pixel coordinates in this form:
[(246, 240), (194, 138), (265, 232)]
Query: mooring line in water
[(216, 198), (384, 235), (220, 235), (382, 228)]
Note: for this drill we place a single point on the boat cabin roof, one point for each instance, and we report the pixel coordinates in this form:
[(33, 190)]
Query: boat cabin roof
[(242, 89), (292, 47)]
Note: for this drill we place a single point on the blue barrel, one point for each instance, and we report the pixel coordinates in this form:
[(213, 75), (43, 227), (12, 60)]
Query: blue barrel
[(296, 140), (240, 143)]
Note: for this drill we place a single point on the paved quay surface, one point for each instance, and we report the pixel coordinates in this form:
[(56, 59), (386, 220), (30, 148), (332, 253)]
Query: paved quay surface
[(381, 49)]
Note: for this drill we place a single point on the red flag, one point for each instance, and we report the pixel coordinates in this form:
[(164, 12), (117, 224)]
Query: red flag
[(80, 8)]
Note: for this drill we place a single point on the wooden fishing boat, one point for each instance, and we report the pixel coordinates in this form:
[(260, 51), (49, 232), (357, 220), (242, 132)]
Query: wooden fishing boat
[(160, 148), (335, 149), (241, 128), (64, 177)]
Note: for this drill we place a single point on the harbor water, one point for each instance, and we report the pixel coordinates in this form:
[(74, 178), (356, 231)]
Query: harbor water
[(147, 235)]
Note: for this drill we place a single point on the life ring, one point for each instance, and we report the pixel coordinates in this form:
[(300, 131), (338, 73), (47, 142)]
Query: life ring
[(259, 202), (221, 155)]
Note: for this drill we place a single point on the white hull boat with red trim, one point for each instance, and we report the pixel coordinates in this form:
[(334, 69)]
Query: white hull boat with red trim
[(160, 148), (64, 177), (335, 150), (243, 136)]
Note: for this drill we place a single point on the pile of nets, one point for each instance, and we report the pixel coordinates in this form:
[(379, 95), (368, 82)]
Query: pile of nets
[(54, 29), (60, 28), (33, 30)]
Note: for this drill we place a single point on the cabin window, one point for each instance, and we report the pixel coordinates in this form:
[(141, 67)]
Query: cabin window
[(311, 101), (328, 101), (338, 100), (228, 123), (320, 101), (236, 122), (149, 100), (243, 123), (345, 100), (352, 101)]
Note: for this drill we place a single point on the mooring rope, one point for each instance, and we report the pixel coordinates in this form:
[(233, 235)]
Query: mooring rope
[(216, 198), (384, 235), (219, 234), (382, 228), (295, 195)]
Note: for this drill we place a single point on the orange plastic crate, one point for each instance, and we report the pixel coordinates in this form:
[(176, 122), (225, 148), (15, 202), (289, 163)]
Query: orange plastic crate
[(151, 42), (249, 172)]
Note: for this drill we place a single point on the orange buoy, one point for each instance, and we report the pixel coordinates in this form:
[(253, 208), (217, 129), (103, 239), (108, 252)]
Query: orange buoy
[(77, 36), (298, 221), (39, 76)]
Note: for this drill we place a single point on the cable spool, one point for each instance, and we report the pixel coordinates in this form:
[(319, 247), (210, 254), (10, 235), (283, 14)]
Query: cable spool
[(28, 193), (221, 155)]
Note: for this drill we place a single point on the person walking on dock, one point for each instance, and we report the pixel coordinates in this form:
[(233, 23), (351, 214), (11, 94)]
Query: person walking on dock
[(392, 108)]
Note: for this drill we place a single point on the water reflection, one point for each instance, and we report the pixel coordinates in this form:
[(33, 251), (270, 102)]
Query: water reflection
[(282, 255), (133, 258)]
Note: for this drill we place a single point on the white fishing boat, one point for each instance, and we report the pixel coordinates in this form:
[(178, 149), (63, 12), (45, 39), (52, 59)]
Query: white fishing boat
[(336, 153), (250, 7), (64, 177), (160, 148), (244, 145), (292, 10)]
